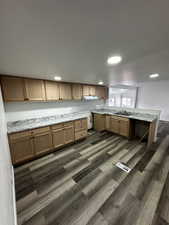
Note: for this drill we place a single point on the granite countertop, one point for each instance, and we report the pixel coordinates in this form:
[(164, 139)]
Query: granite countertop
[(22, 125), (138, 116)]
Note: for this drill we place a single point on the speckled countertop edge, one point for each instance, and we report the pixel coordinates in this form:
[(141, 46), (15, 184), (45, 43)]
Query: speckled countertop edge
[(41, 122), (138, 116)]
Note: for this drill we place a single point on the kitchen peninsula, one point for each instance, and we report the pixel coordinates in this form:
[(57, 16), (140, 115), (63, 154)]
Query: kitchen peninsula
[(129, 124)]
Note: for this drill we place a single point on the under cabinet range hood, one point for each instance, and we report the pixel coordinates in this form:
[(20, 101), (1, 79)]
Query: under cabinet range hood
[(89, 97)]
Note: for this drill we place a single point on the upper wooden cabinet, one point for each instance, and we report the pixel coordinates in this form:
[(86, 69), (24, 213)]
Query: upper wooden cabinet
[(77, 91), (13, 88), (26, 89), (101, 92), (52, 90), (65, 91), (35, 90), (89, 90)]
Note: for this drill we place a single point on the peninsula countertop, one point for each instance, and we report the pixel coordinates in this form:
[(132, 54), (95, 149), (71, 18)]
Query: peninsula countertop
[(137, 116), (22, 125)]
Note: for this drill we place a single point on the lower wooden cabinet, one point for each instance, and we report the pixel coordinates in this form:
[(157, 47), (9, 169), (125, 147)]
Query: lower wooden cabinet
[(21, 147), (115, 124), (69, 135), (99, 122), (42, 143), (58, 137), (30, 144)]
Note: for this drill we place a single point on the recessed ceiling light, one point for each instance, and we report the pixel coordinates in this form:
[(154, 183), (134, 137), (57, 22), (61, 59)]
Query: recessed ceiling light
[(101, 82), (57, 78), (154, 75), (113, 60)]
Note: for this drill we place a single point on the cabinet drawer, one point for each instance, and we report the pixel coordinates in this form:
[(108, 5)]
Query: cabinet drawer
[(19, 135), (40, 130), (80, 134), (68, 124), (57, 126)]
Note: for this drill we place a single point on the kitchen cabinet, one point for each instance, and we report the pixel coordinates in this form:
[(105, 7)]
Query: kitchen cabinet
[(35, 90), (65, 91), (68, 134), (107, 122), (80, 128), (116, 124), (101, 92), (21, 147), (124, 127), (99, 122), (58, 137), (89, 90), (31, 144), (28, 89), (13, 88), (77, 91), (52, 90), (42, 139)]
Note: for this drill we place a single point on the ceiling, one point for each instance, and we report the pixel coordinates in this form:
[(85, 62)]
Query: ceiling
[(72, 39)]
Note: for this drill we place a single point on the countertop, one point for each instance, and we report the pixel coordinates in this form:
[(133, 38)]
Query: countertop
[(137, 116), (22, 125)]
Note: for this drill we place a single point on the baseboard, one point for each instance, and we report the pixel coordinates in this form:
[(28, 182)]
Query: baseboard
[(14, 197)]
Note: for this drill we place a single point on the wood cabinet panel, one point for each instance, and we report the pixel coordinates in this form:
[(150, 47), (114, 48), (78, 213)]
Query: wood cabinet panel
[(101, 92), (68, 135), (57, 126), (68, 124), (107, 122), (35, 90), (22, 149), (65, 91), (42, 143), (58, 137), (13, 89), (78, 125), (99, 122), (80, 134), (77, 91), (52, 90), (124, 128), (84, 124), (40, 130), (89, 90), (114, 125)]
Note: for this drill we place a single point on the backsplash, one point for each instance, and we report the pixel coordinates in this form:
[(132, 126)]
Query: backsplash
[(28, 110)]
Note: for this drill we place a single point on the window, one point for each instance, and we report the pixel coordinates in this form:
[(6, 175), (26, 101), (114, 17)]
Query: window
[(126, 102)]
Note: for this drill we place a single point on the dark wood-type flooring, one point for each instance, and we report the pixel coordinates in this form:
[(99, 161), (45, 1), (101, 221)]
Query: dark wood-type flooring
[(81, 185)]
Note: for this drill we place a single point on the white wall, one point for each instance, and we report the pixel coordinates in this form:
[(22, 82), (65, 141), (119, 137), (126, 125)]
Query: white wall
[(27, 110), (154, 95), (6, 175)]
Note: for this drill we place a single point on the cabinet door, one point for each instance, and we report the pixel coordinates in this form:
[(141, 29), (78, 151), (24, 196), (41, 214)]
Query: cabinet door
[(86, 90), (107, 123), (114, 125), (35, 90), (101, 92), (77, 91), (92, 90), (124, 127), (99, 122), (69, 135), (78, 125), (13, 89), (84, 124), (65, 92), (52, 90), (58, 137), (22, 149), (42, 143)]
